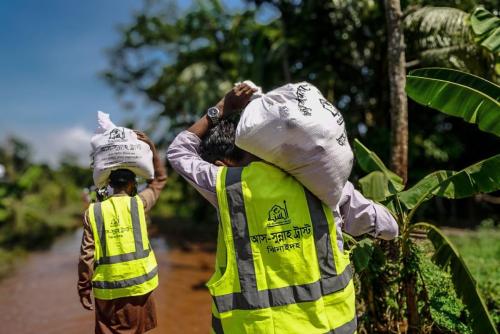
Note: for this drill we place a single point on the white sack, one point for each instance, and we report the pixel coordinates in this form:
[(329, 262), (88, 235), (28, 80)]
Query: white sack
[(295, 128), (104, 122), (117, 147)]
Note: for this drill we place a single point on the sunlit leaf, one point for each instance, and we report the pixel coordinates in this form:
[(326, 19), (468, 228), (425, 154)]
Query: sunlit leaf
[(370, 162), (481, 177), (486, 27), (375, 186), (459, 94)]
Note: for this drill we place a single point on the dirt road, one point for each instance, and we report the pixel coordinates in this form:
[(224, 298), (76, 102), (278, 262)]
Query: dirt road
[(41, 297)]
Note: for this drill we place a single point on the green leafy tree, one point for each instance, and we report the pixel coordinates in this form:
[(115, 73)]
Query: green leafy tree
[(37, 202), (450, 37)]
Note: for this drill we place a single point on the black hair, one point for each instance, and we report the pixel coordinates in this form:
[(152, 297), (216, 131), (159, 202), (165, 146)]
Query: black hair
[(218, 143), (121, 177)]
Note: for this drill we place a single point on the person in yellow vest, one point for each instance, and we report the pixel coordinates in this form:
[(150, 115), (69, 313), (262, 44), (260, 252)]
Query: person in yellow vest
[(117, 263), (280, 263)]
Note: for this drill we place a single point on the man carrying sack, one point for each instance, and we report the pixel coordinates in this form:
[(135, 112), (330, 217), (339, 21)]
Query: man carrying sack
[(280, 264), (116, 261)]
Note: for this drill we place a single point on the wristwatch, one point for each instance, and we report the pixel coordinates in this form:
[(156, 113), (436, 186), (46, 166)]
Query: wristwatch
[(214, 114)]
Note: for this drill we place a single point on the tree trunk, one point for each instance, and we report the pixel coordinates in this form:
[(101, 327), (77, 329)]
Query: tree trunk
[(399, 134), (397, 81)]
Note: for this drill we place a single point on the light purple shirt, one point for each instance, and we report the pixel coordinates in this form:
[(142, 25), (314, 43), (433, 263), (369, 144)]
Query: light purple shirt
[(355, 214)]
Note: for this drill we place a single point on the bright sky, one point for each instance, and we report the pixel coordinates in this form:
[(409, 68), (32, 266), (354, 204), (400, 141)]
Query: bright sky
[(52, 52)]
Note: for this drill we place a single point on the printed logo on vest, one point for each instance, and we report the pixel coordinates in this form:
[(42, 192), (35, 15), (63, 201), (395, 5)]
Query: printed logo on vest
[(278, 215), (117, 134)]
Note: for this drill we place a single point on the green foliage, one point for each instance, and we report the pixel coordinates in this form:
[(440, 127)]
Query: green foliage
[(447, 256), (375, 186), (370, 162), (441, 36), (37, 203), (445, 37), (482, 177), (480, 250), (486, 27), (458, 94), (362, 254)]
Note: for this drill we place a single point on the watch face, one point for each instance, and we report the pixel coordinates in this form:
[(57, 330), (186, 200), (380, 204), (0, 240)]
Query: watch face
[(213, 113)]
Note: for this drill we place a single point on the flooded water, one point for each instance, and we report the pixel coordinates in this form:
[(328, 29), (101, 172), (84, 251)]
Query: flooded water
[(41, 295)]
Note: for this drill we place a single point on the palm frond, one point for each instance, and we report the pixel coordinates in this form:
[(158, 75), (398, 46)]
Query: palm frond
[(438, 27), (443, 37)]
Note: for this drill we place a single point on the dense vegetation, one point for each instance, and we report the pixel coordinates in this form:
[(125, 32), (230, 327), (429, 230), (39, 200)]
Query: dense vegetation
[(37, 202)]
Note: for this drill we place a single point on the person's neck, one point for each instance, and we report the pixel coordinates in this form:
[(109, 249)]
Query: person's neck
[(120, 192)]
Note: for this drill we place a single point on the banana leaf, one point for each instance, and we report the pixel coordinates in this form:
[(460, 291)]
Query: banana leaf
[(481, 177), (362, 254), (375, 186), (459, 94), (486, 27), (370, 162), (447, 256)]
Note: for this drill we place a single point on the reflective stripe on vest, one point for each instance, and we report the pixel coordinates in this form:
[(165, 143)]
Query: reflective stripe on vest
[(126, 283), (347, 328), (120, 272), (251, 298)]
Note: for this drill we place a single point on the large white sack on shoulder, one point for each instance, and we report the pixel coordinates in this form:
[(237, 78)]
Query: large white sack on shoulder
[(295, 128), (120, 148)]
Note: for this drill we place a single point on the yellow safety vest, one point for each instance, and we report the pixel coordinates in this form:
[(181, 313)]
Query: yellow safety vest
[(278, 266), (125, 264)]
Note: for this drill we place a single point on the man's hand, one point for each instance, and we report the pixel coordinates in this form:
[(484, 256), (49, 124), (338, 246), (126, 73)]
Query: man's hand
[(86, 302), (236, 99), (142, 136)]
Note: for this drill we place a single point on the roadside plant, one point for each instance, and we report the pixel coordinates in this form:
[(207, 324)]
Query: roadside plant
[(477, 101)]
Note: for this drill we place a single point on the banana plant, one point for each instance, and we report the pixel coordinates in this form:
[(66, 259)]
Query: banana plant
[(383, 186), (486, 28), (477, 101)]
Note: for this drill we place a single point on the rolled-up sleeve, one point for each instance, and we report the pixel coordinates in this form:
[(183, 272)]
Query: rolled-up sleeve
[(184, 157), (363, 216)]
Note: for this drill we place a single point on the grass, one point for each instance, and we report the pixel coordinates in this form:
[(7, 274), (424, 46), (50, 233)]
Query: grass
[(481, 252)]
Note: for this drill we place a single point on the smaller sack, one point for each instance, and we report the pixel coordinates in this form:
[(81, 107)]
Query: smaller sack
[(116, 148)]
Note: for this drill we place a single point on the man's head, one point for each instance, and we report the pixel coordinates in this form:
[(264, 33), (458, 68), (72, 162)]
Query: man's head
[(218, 145), (123, 180)]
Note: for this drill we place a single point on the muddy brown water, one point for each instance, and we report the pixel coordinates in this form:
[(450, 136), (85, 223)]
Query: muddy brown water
[(41, 295)]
